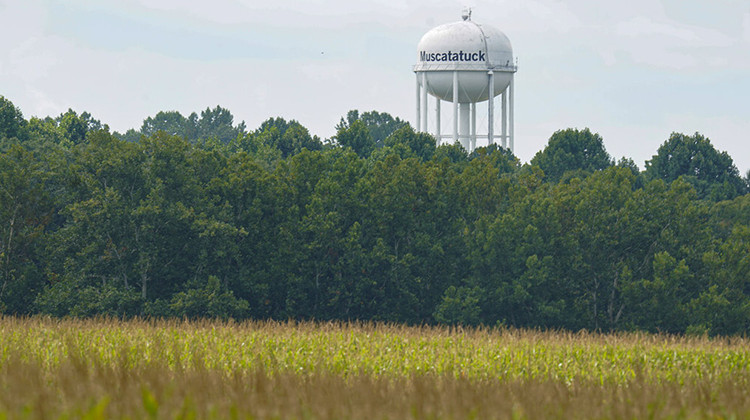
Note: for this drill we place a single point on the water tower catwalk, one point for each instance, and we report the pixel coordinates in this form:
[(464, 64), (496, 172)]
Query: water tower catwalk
[(466, 63)]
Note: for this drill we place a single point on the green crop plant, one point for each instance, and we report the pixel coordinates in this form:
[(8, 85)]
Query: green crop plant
[(105, 368)]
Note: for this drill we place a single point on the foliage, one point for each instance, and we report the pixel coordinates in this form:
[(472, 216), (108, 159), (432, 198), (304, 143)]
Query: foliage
[(459, 306), (712, 173), (208, 301), (25, 213), (12, 123), (454, 153), (420, 145), (290, 138), (272, 224), (578, 151), (212, 124), (380, 125), (356, 137)]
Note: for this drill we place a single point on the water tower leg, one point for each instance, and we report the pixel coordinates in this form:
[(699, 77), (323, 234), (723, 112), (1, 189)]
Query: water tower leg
[(455, 106), (464, 128), (437, 122), (510, 114), (473, 112), (491, 109), (418, 125), (425, 104), (504, 112)]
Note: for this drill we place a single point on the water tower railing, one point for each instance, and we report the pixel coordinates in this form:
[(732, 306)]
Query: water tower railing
[(448, 138), (420, 67)]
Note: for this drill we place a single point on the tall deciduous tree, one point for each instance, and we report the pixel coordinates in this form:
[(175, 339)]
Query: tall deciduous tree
[(12, 123), (357, 137), (579, 152), (25, 212), (212, 124), (379, 124), (289, 137), (171, 122), (216, 123), (712, 173), (421, 145), (74, 127)]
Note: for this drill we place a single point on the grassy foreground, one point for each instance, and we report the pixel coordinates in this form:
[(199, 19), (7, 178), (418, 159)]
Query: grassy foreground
[(173, 369)]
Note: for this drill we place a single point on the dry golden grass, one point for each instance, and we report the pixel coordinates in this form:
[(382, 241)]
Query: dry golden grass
[(172, 369)]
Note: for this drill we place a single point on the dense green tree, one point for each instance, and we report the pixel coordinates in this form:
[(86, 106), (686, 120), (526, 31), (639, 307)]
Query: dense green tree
[(411, 231), (212, 124), (711, 172), (579, 152), (207, 300), (289, 137), (131, 135), (74, 127), (25, 212), (454, 153), (502, 159), (508, 240), (332, 264), (216, 123), (379, 124), (616, 225), (722, 306), (137, 220), (356, 137), (459, 306), (214, 221), (94, 251), (421, 145), (259, 206), (625, 162), (171, 122), (45, 135), (12, 123)]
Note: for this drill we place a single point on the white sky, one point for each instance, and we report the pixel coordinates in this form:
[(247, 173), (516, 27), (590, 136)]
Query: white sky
[(631, 71)]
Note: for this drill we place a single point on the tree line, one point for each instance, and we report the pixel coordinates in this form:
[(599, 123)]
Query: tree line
[(197, 216)]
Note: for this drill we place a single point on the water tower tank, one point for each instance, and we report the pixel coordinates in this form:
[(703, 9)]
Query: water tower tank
[(465, 63)]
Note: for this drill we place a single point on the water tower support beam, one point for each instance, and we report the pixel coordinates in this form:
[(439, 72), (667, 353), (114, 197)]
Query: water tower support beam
[(512, 89), (491, 109), (418, 125), (473, 125), (464, 125), (504, 112), (425, 104), (437, 121), (455, 106)]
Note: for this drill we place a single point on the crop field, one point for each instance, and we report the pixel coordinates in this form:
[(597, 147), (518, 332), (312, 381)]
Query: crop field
[(268, 370)]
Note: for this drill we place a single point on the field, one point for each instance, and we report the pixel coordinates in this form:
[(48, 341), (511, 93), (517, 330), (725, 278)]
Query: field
[(174, 369)]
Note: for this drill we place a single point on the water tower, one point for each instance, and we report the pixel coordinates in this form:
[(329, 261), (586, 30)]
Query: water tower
[(466, 63)]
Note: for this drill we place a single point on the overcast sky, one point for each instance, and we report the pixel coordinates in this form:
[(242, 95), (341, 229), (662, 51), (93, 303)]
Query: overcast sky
[(633, 71)]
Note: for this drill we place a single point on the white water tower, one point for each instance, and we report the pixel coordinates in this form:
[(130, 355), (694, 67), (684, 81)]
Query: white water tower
[(466, 63)]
